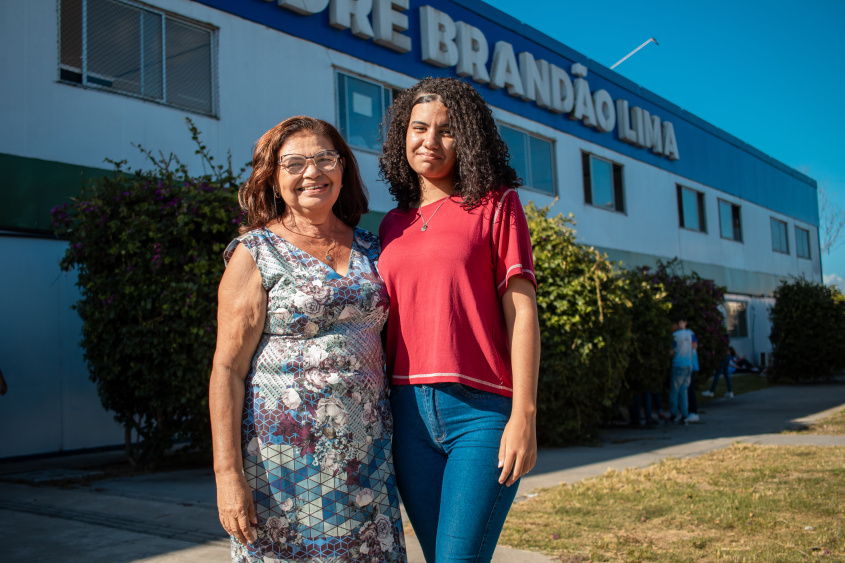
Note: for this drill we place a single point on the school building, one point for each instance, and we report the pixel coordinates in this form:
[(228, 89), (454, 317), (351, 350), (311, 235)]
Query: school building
[(84, 80)]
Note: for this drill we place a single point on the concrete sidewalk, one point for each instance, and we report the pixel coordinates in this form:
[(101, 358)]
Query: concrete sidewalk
[(172, 517)]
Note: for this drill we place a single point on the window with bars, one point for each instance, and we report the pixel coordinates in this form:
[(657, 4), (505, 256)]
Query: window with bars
[(602, 183), (691, 210), (133, 49), (532, 157)]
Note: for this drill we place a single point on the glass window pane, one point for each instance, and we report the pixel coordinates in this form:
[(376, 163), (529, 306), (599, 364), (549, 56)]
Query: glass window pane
[(542, 170), (188, 53), (780, 242), (802, 242), (152, 85), (71, 38), (515, 141), (360, 112), (690, 204), (601, 174), (114, 46), (726, 228), (737, 222), (736, 319)]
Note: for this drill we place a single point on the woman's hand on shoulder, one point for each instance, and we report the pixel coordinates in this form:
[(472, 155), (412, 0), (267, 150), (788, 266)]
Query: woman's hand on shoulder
[(518, 448), (235, 507)]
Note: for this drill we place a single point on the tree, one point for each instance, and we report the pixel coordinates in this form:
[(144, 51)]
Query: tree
[(831, 220)]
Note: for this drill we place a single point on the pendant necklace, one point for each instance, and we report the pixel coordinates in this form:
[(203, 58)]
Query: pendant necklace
[(331, 246), (424, 222)]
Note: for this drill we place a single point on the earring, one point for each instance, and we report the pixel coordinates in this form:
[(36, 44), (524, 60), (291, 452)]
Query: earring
[(276, 209)]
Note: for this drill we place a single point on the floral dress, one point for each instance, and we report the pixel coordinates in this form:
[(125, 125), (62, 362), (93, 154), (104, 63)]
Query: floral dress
[(316, 422)]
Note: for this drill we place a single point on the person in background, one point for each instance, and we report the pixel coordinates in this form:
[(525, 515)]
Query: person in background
[(463, 337), (300, 420), (726, 367), (683, 344), (692, 399)]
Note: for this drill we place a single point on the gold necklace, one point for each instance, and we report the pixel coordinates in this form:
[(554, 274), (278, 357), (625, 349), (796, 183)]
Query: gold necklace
[(331, 247)]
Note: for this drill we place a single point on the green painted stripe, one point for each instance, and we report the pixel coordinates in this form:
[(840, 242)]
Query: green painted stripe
[(31, 187)]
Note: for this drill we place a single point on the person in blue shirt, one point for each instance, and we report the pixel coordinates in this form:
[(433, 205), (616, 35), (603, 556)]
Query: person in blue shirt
[(683, 344)]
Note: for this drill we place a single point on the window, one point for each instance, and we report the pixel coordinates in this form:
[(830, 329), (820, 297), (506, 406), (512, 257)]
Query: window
[(730, 223), (602, 183), (691, 209), (362, 105), (802, 242), (736, 319), (532, 158), (123, 47), (780, 236)]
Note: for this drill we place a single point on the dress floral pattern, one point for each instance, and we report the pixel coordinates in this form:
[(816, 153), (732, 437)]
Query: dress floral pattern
[(316, 422)]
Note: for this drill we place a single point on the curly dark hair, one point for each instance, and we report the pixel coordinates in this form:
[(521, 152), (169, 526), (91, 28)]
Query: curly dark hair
[(482, 163), (256, 196)]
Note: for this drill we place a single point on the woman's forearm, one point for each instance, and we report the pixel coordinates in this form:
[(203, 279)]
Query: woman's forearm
[(226, 399)]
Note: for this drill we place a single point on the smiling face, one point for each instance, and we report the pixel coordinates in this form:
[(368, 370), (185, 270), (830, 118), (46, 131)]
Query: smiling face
[(314, 190), (430, 144)]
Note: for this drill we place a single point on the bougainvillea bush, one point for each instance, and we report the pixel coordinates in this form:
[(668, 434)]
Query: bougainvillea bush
[(808, 331), (585, 331), (147, 249)]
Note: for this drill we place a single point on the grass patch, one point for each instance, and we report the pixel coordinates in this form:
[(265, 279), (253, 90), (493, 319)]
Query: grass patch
[(742, 503), (833, 425), (741, 383)]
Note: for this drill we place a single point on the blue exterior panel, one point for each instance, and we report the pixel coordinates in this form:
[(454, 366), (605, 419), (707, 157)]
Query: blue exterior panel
[(708, 155)]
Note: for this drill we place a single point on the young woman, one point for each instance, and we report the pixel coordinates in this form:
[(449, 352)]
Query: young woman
[(463, 340)]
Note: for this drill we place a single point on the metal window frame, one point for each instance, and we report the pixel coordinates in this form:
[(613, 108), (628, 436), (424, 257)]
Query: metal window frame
[(701, 209), (213, 32), (772, 221), (527, 135), (386, 91), (616, 169), (806, 232), (732, 206)]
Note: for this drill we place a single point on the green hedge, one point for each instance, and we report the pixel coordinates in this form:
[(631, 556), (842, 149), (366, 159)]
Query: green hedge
[(585, 329), (808, 331)]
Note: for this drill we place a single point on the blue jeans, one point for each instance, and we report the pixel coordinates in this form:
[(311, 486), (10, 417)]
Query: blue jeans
[(446, 453), (723, 369), (681, 377)]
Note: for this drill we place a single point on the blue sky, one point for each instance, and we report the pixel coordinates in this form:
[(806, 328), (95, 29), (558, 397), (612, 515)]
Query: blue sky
[(770, 73)]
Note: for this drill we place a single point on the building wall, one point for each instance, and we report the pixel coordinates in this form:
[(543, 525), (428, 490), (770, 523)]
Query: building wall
[(51, 404), (273, 64)]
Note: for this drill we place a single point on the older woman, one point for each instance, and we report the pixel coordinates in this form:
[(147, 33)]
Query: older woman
[(300, 420), (463, 341)]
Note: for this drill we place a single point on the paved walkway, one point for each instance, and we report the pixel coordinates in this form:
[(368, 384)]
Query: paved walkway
[(171, 517)]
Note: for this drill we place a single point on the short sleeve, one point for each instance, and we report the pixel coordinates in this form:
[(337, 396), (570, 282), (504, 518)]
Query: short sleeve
[(512, 252), (266, 256)]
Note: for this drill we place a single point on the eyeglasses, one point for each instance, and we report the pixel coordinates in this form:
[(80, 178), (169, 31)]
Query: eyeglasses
[(295, 164)]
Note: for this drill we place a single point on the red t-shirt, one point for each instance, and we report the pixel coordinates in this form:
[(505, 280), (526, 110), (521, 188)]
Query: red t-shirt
[(446, 322)]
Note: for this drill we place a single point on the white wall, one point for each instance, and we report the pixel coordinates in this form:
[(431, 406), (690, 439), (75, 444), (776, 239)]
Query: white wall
[(51, 404)]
